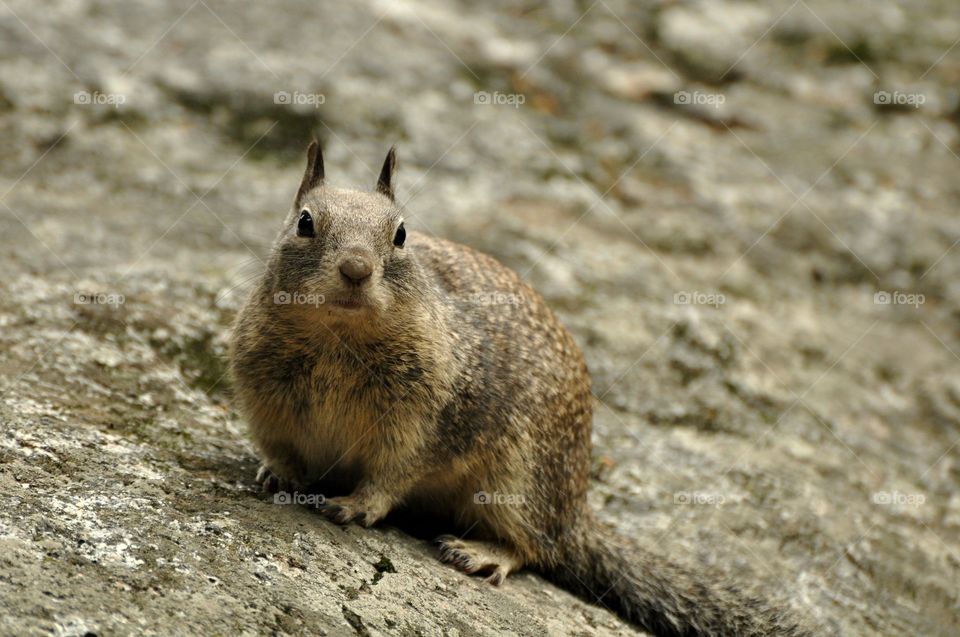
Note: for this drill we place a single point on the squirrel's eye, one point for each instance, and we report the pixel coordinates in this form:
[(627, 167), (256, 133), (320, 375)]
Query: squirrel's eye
[(400, 237), (305, 225)]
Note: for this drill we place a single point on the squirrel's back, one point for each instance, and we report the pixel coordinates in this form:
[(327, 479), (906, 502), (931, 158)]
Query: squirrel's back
[(522, 403)]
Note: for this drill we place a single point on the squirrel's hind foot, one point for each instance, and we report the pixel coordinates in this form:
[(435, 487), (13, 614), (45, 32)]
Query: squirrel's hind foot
[(478, 558)]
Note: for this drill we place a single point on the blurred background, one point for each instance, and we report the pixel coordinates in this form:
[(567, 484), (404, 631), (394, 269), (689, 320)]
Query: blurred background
[(746, 212)]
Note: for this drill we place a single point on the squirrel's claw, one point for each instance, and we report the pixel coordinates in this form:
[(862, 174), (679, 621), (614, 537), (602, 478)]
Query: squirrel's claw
[(271, 482), (345, 510)]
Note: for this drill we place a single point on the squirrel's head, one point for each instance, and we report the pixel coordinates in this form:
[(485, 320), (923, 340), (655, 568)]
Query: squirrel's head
[(341, 256)]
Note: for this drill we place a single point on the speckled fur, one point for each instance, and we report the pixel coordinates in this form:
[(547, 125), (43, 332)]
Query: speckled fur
[(454, 379)]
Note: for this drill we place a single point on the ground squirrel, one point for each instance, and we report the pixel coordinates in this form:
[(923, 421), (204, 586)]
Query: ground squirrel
[(411, 371)]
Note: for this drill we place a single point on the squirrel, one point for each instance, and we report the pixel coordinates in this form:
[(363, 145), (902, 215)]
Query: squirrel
[(412, 371)]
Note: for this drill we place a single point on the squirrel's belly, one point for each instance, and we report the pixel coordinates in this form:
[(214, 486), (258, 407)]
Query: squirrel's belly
[(324, 440), (333, 444)]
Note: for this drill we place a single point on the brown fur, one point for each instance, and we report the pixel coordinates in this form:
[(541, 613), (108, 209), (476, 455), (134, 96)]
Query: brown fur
[(448, 378)]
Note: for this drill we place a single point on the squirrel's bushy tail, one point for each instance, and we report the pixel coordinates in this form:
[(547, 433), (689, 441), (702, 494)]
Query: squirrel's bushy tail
[(657, 595)]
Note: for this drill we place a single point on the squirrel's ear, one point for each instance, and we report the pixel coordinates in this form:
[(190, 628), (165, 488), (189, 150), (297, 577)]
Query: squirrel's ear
[(313, 175), (385, 183)]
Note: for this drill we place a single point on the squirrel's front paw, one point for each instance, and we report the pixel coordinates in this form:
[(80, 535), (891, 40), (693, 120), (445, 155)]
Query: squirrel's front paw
[(353, 508), (270, 482)]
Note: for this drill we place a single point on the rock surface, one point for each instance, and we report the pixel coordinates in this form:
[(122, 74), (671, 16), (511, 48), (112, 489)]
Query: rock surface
[(746, 213)]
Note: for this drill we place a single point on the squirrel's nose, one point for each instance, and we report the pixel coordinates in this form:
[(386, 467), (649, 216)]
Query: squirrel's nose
[(356, 268)]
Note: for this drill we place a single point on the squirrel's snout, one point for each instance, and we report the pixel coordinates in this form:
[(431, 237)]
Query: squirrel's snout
[(356, 268)]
